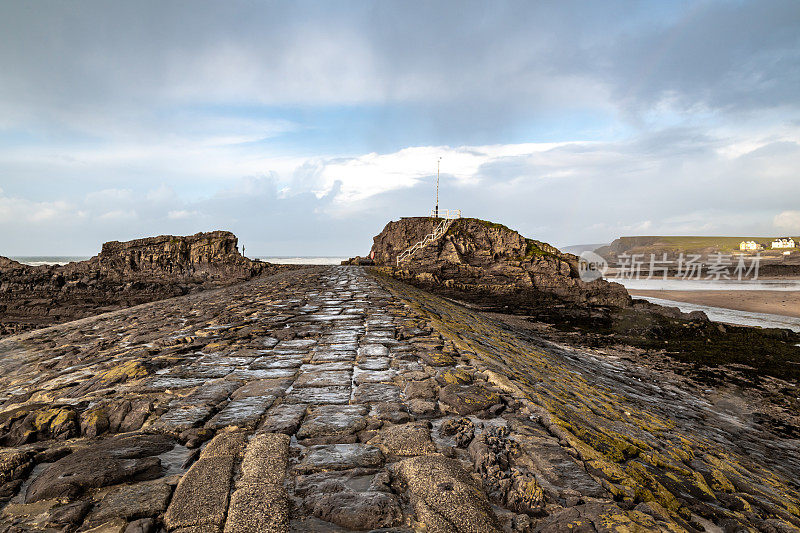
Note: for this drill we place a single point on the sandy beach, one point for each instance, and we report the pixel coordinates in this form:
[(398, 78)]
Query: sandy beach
[(785, 303)]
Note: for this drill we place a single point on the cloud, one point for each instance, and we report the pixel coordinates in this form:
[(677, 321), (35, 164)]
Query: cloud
[(677, 181), (181, 213), (303, 127), (23, 211), (451, 67), (788, 221)]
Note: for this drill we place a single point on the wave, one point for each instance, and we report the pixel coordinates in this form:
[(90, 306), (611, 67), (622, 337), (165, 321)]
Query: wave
[(48, 260)]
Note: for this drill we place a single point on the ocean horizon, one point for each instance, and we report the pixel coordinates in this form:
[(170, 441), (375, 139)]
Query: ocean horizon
[(42, 260)]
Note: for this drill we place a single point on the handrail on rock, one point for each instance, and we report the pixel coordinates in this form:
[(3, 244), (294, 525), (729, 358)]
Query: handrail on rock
[(447, 216)]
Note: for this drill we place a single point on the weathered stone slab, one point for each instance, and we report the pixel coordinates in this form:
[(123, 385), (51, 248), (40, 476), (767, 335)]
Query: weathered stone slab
[(323, 379), (339, 457), (182, 418), (265, 373), (226, 444), (163, 383), (325, 356), (201, 497), (139, 500), (284, 418), (319, 395), (378, 376), (325, 367), (265, 460), (262, 387), (260, 503), (333, 420), (209, 371), (302, 344), (269, 362), (466, 400), (405, 440), (361, 511), (211, 393), (368, 351), (445, 495), (244, 412), (377, 363), (376, 392)]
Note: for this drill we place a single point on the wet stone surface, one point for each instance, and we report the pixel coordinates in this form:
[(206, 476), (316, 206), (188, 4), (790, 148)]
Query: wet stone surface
[(329, 400)]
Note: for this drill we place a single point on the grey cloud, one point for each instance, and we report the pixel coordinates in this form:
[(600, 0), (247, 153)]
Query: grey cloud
[(470, 64)]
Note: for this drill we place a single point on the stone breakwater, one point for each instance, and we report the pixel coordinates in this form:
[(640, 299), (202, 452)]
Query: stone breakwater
[(325, 399)]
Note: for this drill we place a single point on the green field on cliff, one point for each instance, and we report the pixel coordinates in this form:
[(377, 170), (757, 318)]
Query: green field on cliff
[(683, 243)]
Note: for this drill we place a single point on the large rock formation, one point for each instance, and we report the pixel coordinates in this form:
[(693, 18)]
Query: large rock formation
[(490, 264), (121, 275), (212, 255), (497, 269)]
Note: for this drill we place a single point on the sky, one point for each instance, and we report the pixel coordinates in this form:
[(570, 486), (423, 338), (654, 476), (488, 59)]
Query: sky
[(304, 127)]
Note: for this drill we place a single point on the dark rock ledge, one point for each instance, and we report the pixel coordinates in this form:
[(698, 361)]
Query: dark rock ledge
[(123, 274)]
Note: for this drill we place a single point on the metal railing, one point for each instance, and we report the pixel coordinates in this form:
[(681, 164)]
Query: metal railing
[(446, 213), (447, 216)]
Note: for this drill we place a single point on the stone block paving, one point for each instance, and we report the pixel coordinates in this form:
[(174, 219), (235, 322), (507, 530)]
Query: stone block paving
[(329, 400)]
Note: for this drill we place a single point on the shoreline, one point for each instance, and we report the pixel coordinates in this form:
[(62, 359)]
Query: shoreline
[(786, 303)]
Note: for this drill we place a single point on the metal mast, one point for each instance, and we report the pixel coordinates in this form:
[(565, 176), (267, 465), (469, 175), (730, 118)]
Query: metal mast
[(436, 211)]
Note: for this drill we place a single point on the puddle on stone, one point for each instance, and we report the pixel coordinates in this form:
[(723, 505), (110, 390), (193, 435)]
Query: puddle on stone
[(172, 461), (359, 483), (19, 497)]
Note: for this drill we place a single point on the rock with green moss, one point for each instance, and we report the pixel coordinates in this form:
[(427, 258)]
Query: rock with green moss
[(489, 263)]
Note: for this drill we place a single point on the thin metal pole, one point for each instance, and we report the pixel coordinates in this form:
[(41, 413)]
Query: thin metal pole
[(436, 211)]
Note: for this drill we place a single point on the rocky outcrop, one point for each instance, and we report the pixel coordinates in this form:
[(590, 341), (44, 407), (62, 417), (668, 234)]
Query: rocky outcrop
[(121, 275), (212, 255), (497, 269), (490, 264)]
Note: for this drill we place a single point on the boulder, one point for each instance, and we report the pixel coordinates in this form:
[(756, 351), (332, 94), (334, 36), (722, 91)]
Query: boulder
[(109, 462)]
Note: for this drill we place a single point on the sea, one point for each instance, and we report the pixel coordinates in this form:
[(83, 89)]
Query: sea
[(732, 316), (303, 260), (39, 260), (720, 314), (672, 284)]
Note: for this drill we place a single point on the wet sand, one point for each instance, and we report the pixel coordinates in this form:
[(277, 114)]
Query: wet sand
[(785, 303)]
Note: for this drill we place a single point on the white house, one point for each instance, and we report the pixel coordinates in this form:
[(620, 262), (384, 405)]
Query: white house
[(783, 242), (750, 246)]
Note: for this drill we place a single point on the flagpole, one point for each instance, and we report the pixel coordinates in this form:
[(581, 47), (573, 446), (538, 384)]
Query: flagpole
[(436, 211)]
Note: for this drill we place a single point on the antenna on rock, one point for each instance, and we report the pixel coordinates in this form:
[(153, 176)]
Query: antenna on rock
[(436, 209)]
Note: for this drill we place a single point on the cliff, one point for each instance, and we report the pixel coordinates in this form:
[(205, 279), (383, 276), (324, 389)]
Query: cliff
[(214, 254), (491, 264), (121, 275)]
